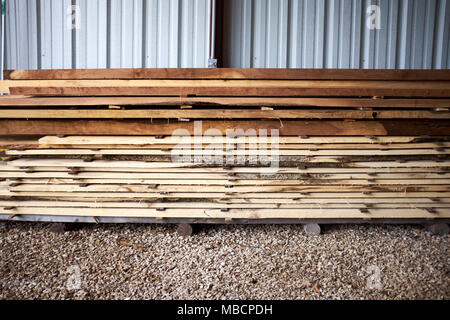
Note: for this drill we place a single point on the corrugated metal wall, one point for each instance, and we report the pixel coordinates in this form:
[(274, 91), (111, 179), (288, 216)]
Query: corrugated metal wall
[(257, 33), (414, 34), (112, 34)]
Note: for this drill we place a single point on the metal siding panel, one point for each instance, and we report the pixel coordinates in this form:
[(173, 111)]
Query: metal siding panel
[(11, 47), (246, 24), (391, 54), (382, 37), (294, 44), (200, 37), (151, 33), (83, 37), (173, 33), (22, 31), (332, 44), (309, 26), (357, 22), (271, 47), (46, 33), (282, 33), (258, 33), (319, 34), (427, 54), (163, 32), (115, 34), (187, 23), (344, 30), (418, 34), (334, 34), (112, 33), (441, 41), (368, 44)]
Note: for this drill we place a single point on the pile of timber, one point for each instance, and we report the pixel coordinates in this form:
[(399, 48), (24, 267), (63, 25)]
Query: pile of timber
[(98, 144)]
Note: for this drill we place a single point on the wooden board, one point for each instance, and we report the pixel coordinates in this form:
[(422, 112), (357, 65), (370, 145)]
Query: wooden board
[(218, 205), (369, 90), (30, 170), (138, 196), (148, 140), (286, 128), (233, 202), (160, 183), (246, 146), (235, 213), (222, 152), (119, 188), (228, 73), (220, 114), (27, 101), (165, 165), (206, 176)]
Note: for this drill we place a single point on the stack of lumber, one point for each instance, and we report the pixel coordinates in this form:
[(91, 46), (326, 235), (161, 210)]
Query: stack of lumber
[(353, 144)]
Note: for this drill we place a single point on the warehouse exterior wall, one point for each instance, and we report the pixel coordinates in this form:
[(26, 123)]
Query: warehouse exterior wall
[(412, 34), (257, 33), (43, 34)]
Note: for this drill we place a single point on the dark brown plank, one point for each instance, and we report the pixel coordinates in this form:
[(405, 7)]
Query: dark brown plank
[(229, 73), (286, 128), (23, 101), (228, 91), (218, 114)]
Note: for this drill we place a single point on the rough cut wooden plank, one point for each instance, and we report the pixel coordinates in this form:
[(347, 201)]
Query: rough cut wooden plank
[(6, 169), (160, 183), (277, 84), (228, 73), (252, 87), (217, 205), (148, 140), (229, 91), (26, 101), (212, 202), (138, 196), (245, 146), (186, 175), (286, 128), (220, 114), (235, 213), (222, 152), (201, 189), (67, 163)]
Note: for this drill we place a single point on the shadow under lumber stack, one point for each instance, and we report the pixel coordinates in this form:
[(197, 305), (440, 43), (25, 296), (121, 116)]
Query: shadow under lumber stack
[(354, 145)]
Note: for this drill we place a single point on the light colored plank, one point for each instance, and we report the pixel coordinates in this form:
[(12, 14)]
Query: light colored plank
[(126, 196), (224, 175), (235, 213), (223, 152), (209, 205), (86, 201), (148, 140), (240, 182), (177, 188), (142, 164), (219, 170), (295, 146)]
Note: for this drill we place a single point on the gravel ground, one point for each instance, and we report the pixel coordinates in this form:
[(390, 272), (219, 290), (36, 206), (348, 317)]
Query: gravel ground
[(222, 262)]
